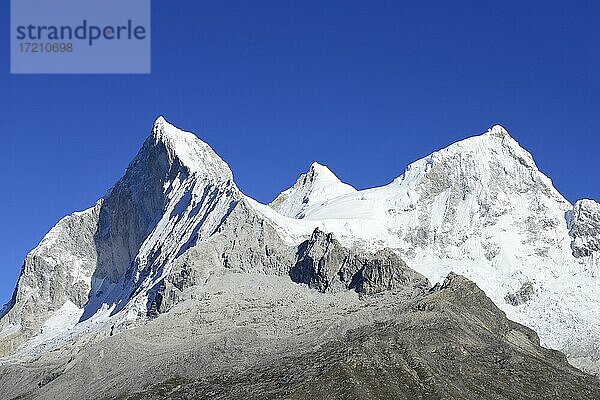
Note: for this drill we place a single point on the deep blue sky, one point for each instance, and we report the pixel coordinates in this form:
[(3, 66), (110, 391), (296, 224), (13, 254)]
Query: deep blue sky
[(365, 87)]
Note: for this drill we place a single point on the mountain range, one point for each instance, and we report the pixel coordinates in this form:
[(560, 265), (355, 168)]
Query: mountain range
[(468, 276)]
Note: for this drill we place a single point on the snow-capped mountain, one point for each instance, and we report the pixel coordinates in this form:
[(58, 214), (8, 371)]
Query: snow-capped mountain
[(479, 207), (315, 187), (107, 259), (482, 208)]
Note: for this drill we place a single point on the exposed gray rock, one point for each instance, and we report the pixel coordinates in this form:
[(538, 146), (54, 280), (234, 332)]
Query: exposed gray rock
[(324, 264), (521, 296), (585, 228), (249, 243), (56, 271), (386, 271), (112, 253)]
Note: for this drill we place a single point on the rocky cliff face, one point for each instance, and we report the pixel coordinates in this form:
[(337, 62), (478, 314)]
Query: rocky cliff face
[(55, 278), (585, 228), (324, 264), (175, 192)]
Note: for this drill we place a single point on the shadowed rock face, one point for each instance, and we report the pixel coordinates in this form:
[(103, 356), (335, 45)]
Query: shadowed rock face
[(386, 271), (324, 264)]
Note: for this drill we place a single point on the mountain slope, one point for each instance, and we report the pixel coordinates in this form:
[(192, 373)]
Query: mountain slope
[(452, 343), (253, 335)]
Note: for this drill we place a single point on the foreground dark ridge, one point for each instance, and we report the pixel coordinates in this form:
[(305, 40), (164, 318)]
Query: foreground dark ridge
[(452, 343)]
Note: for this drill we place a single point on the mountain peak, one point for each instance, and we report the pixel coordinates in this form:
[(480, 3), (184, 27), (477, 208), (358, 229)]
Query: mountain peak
[(164, 131), (498, 136), (322, 171), (318, 167), (492, 146), (160, 120), (317, 185), (478, 153), (498, 131), (193, 153)]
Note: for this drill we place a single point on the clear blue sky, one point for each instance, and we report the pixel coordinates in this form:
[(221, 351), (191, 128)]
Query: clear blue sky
[(365, 87)]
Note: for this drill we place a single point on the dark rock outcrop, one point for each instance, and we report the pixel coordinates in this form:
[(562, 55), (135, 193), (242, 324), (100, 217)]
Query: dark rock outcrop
[(385, 270), (521, 296), (324, 264)]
